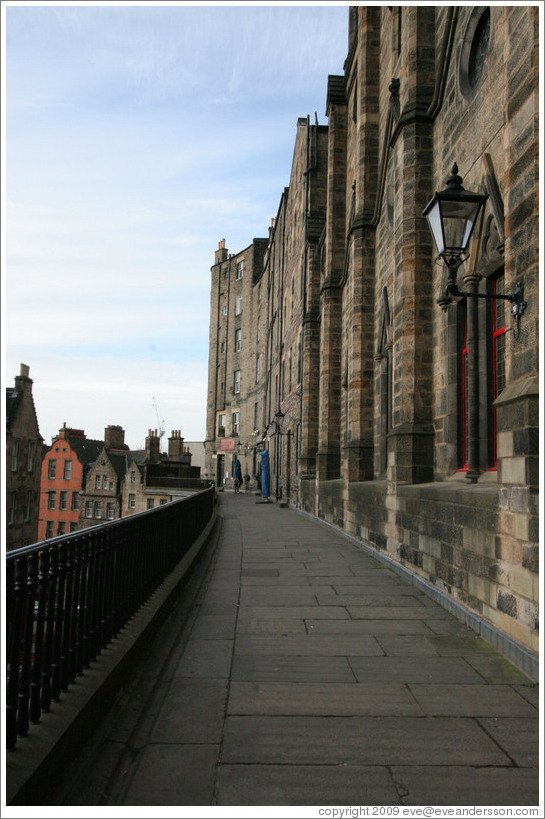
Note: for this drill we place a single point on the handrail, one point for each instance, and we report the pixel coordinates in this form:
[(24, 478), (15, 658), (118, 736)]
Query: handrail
[(68, 597)]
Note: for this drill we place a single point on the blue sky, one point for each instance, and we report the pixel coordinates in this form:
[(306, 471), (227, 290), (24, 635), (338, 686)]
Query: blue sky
[(137, 137)]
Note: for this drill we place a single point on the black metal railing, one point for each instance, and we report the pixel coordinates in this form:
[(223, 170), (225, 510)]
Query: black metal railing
[(69, 596)]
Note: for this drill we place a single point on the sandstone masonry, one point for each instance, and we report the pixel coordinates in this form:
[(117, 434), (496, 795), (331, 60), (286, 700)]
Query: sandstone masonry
[(328, 347)]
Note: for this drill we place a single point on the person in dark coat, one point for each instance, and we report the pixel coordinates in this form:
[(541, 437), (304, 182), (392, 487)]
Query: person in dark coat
[(237, 475)]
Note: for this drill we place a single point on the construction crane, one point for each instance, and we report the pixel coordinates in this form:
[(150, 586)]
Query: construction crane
[(160, 424)]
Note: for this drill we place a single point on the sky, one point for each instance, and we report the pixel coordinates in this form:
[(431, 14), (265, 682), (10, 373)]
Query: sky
[(136, 137)]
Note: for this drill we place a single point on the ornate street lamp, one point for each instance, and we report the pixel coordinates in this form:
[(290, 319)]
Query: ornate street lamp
[(278, 417), (452, 215)]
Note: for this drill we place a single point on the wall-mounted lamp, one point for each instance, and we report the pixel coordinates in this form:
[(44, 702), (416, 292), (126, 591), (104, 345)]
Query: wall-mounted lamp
[(452, 215), (275, 427)]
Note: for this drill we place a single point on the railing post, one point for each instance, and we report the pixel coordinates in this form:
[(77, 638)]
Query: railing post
[(83, 562), (57, 639), (50, 629), (108, 588), (68, 550), (15, 583), (117, 579), (36, 679), (99, 597), (89, 639), (75, 548), (31, 567)]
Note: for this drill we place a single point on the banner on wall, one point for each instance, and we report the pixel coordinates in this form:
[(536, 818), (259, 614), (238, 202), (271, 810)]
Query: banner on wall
[(227, 444)]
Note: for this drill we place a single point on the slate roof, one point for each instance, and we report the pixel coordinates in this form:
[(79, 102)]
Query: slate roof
[(13, 399), (87, 449), (137, 455), (12, 402), (119, 460)]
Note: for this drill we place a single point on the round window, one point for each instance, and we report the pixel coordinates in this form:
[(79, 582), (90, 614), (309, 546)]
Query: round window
[(475, 48)]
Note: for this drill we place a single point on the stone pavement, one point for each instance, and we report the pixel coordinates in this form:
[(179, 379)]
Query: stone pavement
[(305, 672)]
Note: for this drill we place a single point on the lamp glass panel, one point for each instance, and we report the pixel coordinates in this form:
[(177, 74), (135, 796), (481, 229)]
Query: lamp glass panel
[(458, 221), (436, 227)]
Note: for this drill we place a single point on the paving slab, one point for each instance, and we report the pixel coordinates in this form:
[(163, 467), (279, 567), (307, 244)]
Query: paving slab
[(172, 775), (358, 740), (226, 577), (519, 738), (226, 611), (406, 645), (206, 658), (277, 582), (215, 626), (464, 785), (459, 645), (448, 627), (326, 598), (271, 625), (396, 613), (471, 701), (303, 612), (287, 596), (420, 669), (222, 597), (297, 668), (529, 693), (384, 585), (318, 645), (370, 626), (300, 784), (192, 712), (495, 669), (322, 699)]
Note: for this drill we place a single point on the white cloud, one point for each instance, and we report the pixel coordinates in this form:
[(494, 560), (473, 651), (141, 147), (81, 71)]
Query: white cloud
[(137, 137), (91, 393)]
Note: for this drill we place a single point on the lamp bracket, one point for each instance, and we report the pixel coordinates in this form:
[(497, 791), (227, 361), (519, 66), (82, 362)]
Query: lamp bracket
[(516, 298)]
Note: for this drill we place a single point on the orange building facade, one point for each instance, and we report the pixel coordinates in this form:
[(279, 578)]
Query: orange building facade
[(63, 476)]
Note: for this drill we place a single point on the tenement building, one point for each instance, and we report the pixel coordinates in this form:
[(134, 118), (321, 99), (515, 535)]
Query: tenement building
[(64, 477), (153, 478), (382, 342), (24, 453)]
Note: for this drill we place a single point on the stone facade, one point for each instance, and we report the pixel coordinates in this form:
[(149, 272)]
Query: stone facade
[(236, 371), (365, 384), (153, 478), (100, 499), (24, 453)]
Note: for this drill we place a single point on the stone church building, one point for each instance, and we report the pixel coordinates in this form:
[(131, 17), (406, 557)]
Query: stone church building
[(402, 413)]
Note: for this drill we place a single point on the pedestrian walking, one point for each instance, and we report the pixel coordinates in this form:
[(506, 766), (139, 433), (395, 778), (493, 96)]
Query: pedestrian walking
[(237, 475)]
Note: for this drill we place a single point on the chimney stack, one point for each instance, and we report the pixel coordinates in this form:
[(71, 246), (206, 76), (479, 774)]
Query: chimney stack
[(69, 432), (114, 437), (221, 252), (175, 444), (23, 383), (152, 447)]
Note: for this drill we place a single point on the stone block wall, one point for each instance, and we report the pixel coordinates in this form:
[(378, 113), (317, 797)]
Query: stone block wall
[(450, 535), (330, 502)]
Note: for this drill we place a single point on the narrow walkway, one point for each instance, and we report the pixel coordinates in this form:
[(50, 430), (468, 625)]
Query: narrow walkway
[(304, 672)]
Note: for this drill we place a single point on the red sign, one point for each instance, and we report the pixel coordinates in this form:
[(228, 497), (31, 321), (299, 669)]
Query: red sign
[(227, 444)]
